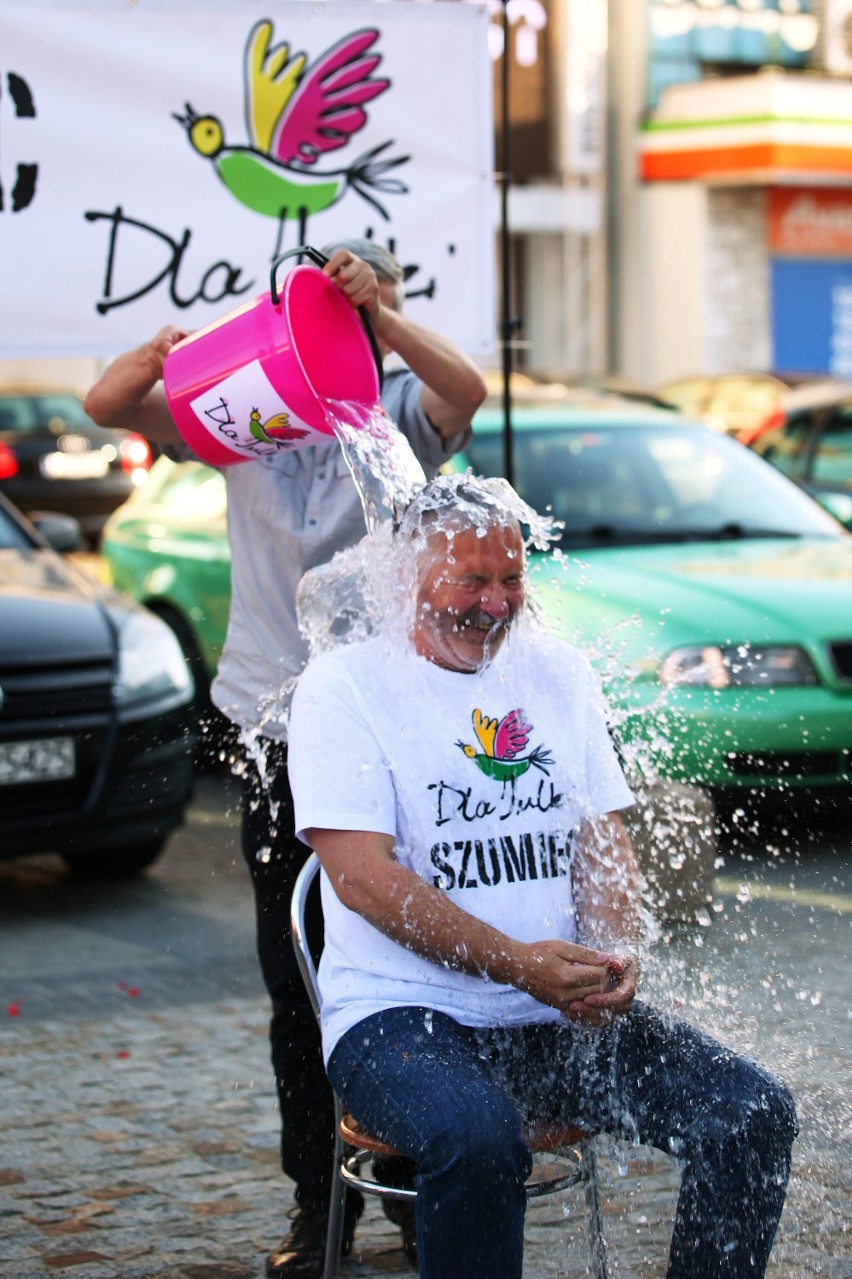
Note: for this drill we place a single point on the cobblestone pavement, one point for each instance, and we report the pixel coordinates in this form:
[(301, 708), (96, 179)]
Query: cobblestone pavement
[(140, 1131)]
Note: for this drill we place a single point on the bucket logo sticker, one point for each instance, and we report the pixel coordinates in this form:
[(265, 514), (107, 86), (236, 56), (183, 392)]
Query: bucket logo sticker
[(500, 742), (277, 430), (246, 414), (295, 114)]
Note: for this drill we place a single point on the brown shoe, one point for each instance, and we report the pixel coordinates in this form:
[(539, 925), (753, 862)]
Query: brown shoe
[(301, 1253)]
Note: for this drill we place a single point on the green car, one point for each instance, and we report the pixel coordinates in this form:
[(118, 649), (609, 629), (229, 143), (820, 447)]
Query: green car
[(168, 544), (714, 597)]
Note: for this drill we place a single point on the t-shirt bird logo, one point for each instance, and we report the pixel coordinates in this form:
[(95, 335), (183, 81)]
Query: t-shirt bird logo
[(501, 743), (295, 114)]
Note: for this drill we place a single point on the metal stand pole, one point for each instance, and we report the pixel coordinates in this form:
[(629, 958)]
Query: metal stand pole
[(508, 325)]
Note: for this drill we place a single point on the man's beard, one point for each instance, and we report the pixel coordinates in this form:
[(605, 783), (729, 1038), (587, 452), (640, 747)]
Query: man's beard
[(480, 620), (467, 641)]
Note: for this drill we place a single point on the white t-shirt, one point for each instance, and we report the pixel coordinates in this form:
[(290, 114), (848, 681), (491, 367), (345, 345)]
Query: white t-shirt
[(481, 779)]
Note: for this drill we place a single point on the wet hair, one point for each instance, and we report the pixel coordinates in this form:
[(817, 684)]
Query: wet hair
[(383, 262), (457, 500), (466, 500)]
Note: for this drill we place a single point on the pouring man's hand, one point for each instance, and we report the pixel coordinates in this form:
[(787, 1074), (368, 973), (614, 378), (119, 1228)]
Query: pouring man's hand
[(355, 278), (129, 393), (161, 343)]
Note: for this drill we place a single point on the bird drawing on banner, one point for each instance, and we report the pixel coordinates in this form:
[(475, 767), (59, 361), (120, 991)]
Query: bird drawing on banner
[(296, 114), (277, 430), (501, 741)]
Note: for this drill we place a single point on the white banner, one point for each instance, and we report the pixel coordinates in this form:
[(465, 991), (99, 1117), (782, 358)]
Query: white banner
[(156, 155)]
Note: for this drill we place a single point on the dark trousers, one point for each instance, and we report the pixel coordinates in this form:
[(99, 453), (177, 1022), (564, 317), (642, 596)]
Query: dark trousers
[(274, 857), (454, 1100)]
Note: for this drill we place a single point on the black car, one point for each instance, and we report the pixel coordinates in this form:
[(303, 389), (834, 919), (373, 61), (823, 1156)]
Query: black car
[(53, 457), (96, 742)]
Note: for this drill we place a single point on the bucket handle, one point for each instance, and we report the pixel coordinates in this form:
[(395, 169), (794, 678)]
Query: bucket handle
[(320, 260)]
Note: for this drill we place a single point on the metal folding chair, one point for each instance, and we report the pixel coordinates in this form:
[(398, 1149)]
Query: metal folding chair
[(355, 1148)]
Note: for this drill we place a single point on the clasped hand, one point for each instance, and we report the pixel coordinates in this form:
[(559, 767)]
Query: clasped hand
[(588, 986)]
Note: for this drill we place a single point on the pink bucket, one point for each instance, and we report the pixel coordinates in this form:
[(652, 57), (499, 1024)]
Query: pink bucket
[(258, 381)]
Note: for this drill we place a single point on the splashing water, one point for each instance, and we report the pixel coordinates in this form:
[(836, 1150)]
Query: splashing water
[(341, 601), (337, 602)]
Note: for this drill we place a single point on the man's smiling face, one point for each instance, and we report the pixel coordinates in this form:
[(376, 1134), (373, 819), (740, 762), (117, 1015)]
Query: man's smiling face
[(470, 589)]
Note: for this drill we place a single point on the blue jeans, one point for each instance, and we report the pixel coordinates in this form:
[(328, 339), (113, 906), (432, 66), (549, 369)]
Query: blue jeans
[(455, 1100)]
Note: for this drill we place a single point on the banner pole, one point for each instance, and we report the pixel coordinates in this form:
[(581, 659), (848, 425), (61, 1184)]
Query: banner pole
[(507, 324)]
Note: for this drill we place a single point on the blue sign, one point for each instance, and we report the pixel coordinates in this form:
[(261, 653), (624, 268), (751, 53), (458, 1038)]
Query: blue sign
[(812, 315)]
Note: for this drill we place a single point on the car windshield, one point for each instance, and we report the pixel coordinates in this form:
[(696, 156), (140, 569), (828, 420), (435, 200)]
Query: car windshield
[(637, 484), (25, 414)]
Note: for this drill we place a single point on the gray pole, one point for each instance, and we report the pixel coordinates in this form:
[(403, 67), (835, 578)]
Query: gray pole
[(507, 324)]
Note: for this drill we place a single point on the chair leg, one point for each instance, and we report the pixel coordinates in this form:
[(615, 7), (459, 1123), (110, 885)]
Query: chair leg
[(594, 1224), (336, 1208)]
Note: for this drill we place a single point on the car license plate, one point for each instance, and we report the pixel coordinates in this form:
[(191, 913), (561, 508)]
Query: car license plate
[(50, 759), (90, 465)]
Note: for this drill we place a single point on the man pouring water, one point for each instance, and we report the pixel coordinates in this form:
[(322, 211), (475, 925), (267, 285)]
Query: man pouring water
[(482, 913), (288, 513)]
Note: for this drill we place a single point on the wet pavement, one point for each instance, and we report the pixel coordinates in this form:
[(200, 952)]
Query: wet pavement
[(139, 1122)]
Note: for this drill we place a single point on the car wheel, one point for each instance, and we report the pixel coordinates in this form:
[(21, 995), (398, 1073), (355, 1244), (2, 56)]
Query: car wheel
[(115, 863), (217, 736), (675, 834)]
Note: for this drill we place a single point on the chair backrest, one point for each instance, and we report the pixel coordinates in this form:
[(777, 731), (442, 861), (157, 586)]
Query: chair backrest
[(298, 905)]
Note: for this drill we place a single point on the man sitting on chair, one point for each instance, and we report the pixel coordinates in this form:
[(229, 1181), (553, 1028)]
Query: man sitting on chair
[(456, 778)]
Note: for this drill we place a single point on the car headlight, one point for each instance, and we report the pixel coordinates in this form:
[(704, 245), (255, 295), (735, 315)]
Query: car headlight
[(738, 666), (150, 660)]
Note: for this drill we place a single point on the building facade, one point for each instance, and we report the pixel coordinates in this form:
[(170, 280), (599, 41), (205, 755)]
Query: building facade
[(712, 230)]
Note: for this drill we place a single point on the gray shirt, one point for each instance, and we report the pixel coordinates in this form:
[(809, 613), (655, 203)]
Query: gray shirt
[(286, 514)]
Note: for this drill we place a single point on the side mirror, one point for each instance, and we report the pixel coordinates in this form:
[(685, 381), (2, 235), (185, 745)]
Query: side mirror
[(62, 532)]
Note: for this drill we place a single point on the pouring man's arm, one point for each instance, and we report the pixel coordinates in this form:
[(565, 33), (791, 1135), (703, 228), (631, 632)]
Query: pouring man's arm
[(130, 392), (453, 387)]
